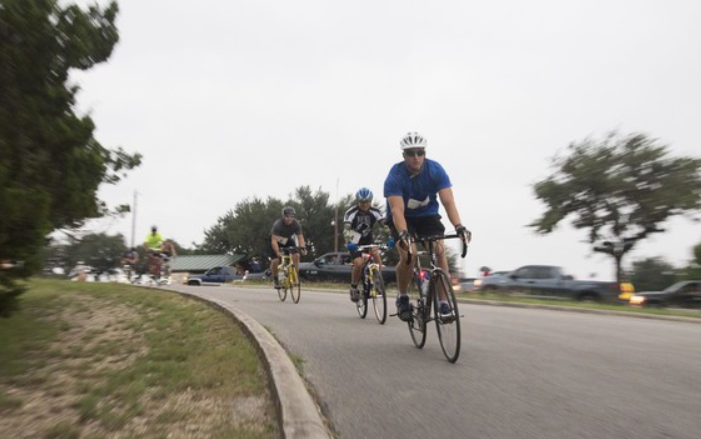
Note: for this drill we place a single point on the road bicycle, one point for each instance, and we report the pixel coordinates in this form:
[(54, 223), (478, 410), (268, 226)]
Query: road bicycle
[(424, 296), (373, 285), (288, 276), (159, 269)]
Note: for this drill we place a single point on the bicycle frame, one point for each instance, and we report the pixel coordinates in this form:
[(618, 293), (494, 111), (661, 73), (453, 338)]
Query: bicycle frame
[(373, 284), (290, 275), (428, 298)]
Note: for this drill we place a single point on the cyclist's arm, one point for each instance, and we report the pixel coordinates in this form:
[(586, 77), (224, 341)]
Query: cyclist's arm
[(396, 205), (274, 245), (300, 240), (448, 201)]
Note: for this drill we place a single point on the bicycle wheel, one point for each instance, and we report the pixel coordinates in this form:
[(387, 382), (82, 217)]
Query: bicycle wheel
[(295, 287), (379, 298), (447, 327), (282, 287), (362, 304), (417, 325)]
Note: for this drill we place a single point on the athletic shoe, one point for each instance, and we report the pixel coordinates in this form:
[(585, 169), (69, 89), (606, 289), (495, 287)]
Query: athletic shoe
[(404, 308), (446, 314)]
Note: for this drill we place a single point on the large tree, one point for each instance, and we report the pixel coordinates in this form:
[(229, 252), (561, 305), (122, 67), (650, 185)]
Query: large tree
[(621, 188), (50, 164), (246, 228)]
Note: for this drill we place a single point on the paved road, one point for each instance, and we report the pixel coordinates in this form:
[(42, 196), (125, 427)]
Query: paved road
[(523, 373)]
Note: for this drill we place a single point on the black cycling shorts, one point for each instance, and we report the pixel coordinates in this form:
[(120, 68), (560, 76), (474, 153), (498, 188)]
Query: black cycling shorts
[(421, 226)]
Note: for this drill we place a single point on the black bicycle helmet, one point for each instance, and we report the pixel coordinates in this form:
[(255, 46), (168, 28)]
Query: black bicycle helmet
[(289, 211)]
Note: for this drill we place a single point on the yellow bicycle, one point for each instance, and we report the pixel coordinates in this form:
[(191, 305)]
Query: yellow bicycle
[(373, 285), (288, 276)]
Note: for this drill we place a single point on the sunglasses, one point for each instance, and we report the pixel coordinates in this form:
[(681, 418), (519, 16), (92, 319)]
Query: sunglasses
[(419, 152)]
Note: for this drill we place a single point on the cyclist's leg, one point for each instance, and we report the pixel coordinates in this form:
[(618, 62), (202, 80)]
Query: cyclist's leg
[(295, 260), (439, 248), (432, 226), (403, 275), (355, 276), (377, 257), (274, 263)]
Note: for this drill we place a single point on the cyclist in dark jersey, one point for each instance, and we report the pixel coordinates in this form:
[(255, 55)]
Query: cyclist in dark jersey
[(286, 232), (413, 189), (358, 222)]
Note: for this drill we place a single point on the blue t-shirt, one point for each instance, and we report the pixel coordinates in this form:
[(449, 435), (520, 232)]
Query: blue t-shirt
[(420, 192)]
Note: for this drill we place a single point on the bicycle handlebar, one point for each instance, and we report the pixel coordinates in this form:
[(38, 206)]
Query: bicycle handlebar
[(410, 250), (372, 246), (293, 249)]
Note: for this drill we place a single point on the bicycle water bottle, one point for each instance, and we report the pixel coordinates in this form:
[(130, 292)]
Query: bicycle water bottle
[(281, 274), (424, 285)]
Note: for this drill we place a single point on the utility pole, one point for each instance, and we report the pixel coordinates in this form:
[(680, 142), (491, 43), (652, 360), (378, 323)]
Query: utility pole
[(133, 220), (335, 229), (335, 222)]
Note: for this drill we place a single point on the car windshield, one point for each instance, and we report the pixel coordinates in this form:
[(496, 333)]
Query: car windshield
[(673, 287)]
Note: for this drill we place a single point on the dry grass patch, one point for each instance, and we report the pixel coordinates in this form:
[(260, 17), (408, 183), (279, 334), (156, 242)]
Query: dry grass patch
[(113, 361)]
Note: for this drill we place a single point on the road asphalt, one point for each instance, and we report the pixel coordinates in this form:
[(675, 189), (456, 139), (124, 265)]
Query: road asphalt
[(301, 416)]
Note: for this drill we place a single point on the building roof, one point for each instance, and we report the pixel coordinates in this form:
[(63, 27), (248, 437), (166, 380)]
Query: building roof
[(202, 262)]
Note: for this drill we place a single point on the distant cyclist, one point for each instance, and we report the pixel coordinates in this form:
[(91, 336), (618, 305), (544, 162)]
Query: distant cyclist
[(130, 257), (286, 232), (358, 222), (413, 188), (153, 243), (129, 260)]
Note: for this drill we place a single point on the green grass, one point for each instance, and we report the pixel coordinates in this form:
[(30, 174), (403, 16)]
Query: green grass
[(625, 308), (112, 359)]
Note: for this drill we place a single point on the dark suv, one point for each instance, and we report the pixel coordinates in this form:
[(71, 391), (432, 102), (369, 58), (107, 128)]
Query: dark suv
[(336, 266)]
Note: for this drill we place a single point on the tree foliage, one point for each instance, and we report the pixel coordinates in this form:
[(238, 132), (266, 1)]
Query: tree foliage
[(693, 270), (620, 188), (652, 274), (50, 164), (246, 228)]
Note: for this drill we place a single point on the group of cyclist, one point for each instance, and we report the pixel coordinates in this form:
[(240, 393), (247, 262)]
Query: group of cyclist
[(413, 189)]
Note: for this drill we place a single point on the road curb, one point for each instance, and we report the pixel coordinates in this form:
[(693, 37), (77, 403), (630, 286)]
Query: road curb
[(300, 416)]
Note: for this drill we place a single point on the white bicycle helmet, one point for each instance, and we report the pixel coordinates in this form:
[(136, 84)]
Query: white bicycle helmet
[(413, 140)]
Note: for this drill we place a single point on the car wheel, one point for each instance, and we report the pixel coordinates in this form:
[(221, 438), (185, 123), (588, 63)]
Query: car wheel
[(193, 283), (588, 298)]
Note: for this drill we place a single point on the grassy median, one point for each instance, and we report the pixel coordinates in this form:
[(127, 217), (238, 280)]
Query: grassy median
[(88, 360)]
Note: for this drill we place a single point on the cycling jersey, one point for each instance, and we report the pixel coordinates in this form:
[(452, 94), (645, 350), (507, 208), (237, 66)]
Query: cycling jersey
[(286, 233), (420, 192), (361, 223), (153, 241)]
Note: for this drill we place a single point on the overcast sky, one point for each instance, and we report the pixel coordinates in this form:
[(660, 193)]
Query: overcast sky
[(253, 98)]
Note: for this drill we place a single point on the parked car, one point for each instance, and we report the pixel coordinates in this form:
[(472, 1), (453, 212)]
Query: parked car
[(336, 266), (550, 282), (685, 294), (214, 276)]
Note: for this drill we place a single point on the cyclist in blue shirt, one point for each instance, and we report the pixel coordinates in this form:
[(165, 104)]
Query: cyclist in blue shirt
[(413, 189), (358, 222)]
